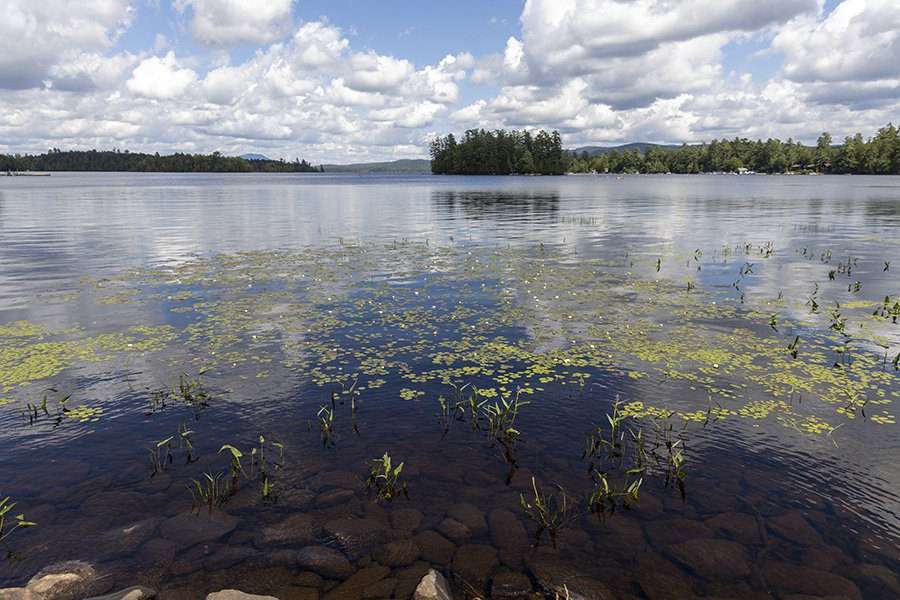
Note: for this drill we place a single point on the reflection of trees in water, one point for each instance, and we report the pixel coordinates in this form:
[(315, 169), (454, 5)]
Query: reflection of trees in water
[(497, 204), (883, 208)]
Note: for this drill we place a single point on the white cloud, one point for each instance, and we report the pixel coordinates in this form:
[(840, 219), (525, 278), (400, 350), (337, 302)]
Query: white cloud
[(318, 44), (230, 22), (160, 78), (340, 94), (858, 41), (372, 72), (558, 34), (35, 36), (86, 71)]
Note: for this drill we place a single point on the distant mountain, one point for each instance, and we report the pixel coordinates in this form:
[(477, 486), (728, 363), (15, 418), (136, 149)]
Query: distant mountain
[(639, 146), (252, 156), (406, 165)]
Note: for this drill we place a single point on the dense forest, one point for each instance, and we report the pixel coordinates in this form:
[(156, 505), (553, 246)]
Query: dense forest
[(499, 152), (879, 155), (502, 152), (114, 160)]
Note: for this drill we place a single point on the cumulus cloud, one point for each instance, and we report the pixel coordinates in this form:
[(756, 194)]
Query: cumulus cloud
[(858, 41), (372, 72), (87, 71), (229, 22), (318, 44), (37, 36), (607, 70), (160, 78), (576, 35)]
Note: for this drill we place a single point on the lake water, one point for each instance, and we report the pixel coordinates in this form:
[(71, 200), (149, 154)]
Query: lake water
[(705, 367)]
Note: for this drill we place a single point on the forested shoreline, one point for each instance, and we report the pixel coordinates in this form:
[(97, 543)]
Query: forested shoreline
[(501, 152), (115, 160)]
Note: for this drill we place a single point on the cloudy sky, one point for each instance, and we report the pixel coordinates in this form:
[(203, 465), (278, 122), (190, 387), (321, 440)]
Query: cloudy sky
[(359, 80)]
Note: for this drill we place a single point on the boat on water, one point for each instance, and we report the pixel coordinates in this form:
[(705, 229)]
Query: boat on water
[(27, 174)]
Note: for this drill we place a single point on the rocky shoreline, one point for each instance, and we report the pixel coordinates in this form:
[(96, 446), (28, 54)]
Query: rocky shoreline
[(77, 580)]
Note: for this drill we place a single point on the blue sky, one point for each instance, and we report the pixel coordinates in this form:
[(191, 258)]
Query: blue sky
[(366, 80)]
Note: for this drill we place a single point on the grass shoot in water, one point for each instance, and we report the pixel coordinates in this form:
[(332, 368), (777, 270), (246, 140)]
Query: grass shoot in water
[(384, 479)]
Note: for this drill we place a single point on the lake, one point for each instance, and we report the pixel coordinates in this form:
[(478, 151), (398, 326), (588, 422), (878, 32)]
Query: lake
[(612, 387)]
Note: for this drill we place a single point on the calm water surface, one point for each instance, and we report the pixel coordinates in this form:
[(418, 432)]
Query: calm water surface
[(262, 298)]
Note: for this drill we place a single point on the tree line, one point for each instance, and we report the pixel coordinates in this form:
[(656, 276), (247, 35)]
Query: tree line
[(879, 155), (499, 152), (115, 160)]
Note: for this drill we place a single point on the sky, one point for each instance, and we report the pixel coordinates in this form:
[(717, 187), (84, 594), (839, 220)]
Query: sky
[(366, 80)]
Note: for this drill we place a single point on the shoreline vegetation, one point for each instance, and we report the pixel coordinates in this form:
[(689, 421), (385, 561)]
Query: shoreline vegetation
[(520, 152), (125, 161), (499, 152), (502, 152)]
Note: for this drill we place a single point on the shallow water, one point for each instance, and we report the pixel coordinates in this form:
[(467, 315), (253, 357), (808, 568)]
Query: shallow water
[(679, 297)]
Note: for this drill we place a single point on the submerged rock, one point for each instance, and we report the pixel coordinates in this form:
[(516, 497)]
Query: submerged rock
[(227, 556), (356, 537), (658, 585), (877, 577), (454, 530), (353, 588), (510, 585), (433, 586), (158, 552), (382, 589), (188, 529), (299, 530), (664, 532), (117, 506), (334, 497), (335, 479), (137, 592), (237, 595), (560, 578), (713, 558), (470, 516), (324, 561), (406, 519), (509, 535), (408, 579), (739, 526), (130, 536), (787, 577), (794, 527), (473, 563), (70, 580), (298, 593), (435, 548), (398, 554)]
